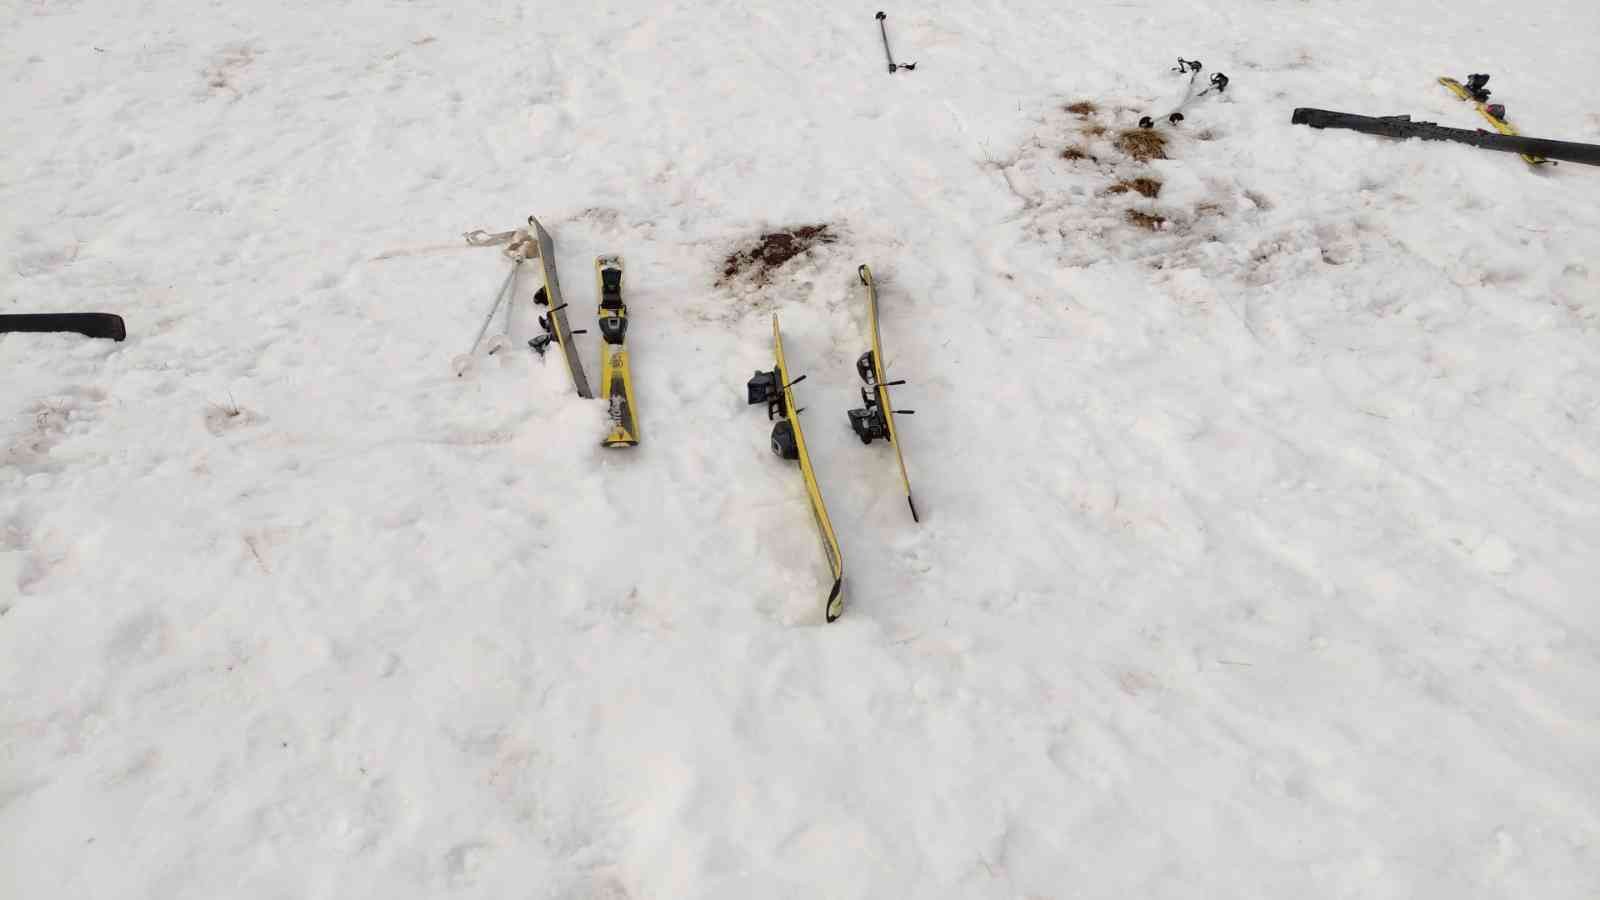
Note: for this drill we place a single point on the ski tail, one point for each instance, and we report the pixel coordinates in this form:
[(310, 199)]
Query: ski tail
[(94, 325)]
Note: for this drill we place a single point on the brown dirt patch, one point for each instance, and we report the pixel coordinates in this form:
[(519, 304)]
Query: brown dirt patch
[(1075, 153), (773, 249), (1144, 187), (1143, 144), (1145, 220), (1083, 108)]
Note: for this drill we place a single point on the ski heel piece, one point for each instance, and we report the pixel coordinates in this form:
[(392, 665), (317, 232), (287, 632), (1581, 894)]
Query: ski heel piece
[(868, 422), (783, 442)]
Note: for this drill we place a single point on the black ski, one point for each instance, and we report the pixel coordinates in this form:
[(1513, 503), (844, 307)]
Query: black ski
[(1403, 127), (96, 325)]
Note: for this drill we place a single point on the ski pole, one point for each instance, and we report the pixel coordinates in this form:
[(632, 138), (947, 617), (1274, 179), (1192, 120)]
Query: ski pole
[(883, 29), (510, 276)]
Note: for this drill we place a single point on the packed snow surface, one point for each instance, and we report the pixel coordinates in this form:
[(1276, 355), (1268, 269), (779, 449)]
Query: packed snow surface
[(1260, 540)]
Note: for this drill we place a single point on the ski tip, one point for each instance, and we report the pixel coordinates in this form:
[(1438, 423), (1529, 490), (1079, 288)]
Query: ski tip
[(881, 15), (864, 273), (836, 600), (913, 504)]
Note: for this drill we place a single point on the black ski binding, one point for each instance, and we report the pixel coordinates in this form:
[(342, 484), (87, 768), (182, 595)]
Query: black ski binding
[(1475, 85), (613, 327), (866, 368), (764, 387), (783, 442), (540, 343), (868, 422), (1185, 66)]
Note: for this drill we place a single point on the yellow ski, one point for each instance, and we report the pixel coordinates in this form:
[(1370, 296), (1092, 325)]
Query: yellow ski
[(554, 321), (776, 390), (615, 379), (875, 419), (1478, 97)]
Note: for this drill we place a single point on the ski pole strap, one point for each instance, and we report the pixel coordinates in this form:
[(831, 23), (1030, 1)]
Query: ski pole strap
[(519, 245), (477, 237)]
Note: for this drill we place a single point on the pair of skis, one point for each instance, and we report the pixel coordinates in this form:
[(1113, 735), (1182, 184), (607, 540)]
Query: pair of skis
[(1476, 93), (615, 374), (873, 421)]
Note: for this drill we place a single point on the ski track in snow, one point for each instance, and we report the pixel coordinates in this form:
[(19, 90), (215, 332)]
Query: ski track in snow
[(1257, 555)]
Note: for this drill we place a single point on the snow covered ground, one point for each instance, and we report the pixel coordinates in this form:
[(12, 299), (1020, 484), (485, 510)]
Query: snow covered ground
[(1258, 554)]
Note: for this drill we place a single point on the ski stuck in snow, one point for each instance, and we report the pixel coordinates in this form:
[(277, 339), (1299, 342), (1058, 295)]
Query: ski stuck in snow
[(776, 390), (554, 319), (875, 418)]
